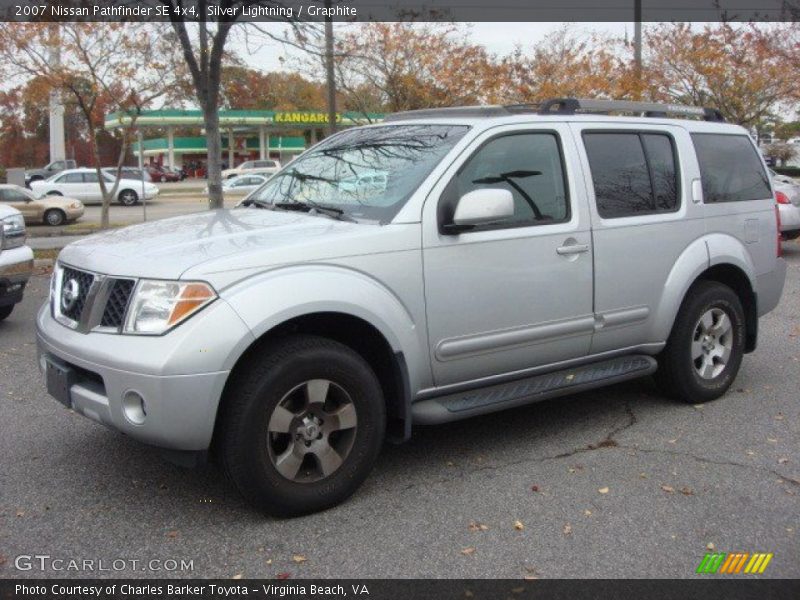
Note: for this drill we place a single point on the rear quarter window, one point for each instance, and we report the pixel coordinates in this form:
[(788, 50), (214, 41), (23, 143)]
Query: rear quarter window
[(730, 168)]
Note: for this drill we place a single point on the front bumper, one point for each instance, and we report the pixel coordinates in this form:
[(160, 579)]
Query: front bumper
[(180, 375), (16, 267)]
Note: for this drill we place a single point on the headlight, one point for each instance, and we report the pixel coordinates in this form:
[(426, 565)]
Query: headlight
[(13, 232), (157, 306)]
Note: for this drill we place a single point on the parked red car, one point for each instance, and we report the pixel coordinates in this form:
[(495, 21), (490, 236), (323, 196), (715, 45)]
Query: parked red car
[(158, 173)]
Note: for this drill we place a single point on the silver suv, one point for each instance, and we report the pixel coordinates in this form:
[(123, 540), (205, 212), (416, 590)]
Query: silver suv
[(495, 256)]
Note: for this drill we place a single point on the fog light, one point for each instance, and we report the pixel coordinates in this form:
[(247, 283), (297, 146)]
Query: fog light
[(134, 407)]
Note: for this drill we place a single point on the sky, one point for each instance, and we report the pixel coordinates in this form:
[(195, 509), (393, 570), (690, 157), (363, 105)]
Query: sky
[(498, 38)]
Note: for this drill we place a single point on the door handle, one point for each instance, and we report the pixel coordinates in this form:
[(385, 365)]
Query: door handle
[(572, 249)]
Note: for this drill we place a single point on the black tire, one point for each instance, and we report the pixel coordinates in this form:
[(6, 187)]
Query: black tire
[(128, 197), (54, 217), (679, 373), (5, 311), (250, 451), (788, 236)]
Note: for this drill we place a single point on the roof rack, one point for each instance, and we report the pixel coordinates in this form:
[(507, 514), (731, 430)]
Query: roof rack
[(563, 106), (570, 106)]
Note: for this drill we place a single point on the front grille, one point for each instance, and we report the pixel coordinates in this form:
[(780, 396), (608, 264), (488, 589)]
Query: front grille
[(117, 302), (74, 310)]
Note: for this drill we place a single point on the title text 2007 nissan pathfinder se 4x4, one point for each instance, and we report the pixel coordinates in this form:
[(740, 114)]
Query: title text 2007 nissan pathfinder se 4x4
[(441, 265)]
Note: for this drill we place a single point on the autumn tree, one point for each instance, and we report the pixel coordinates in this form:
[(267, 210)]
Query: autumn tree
[(401, 66), (567, 63), (103, 68), (743, 70)]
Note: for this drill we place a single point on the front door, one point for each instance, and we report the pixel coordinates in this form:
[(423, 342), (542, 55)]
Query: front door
[(517, 293)]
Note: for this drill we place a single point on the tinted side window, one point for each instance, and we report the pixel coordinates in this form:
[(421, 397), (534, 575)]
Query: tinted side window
[(730, 168), (661, 158), (633, 173), (529, 165), (90, 178), (72, 178)]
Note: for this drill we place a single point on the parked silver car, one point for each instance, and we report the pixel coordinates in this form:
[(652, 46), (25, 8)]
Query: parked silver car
[(16, 259), (509, 255)]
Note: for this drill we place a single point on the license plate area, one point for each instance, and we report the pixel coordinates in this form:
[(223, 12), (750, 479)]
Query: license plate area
[(59, 382)]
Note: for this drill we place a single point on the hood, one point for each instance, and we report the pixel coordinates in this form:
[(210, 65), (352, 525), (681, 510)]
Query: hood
[(222, 241)]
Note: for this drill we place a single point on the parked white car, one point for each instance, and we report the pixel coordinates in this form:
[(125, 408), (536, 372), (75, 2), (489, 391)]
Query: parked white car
[(16, 259), (84, 185), (788, 198), (253, 166)]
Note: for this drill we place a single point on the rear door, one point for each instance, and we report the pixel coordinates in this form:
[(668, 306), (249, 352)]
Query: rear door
[(639, 180)]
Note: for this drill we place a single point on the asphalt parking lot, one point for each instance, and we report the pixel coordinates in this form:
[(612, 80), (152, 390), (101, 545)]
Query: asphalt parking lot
[(619, 482)]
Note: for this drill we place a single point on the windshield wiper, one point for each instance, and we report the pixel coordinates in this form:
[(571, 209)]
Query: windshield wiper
[(308, 206)]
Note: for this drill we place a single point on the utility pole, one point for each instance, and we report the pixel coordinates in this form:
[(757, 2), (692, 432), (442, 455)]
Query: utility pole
[(329, 74), (57, 145), (637, 44)]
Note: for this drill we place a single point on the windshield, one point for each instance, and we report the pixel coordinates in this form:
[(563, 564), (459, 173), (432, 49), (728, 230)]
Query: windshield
[(366, 173)]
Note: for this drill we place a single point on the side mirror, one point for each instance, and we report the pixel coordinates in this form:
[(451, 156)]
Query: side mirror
[(481, 206)]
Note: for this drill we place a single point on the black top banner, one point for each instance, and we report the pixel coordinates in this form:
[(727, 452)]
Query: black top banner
[(400, 10)]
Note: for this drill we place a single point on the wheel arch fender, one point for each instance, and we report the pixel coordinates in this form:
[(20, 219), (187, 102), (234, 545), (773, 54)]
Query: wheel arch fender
[(270, 300), (699, 258)]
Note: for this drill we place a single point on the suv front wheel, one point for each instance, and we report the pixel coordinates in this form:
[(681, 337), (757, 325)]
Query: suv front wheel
[(706, 346), (302, 425)]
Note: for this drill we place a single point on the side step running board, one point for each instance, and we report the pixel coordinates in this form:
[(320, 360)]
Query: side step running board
[(461, 405)]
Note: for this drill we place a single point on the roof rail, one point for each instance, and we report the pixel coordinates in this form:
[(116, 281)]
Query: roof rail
[(569, 106), (456, 111), (562, 106)]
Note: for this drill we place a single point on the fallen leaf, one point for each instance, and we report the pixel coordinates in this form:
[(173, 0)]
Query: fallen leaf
[(283, 576), (779, 417), (468, 594), (530, 577), (450, 463), (749, 453), (269, 561), (672, 441), (587, 512), (534, 488), (603, 490), (668, 488), (710, 547), (772, 440), (20, 513), (518, 525), (783, 460), (4, 559), (473, 526), (567, 529), (298, 558), (468, 551), (643, 475), (172, 534), (238, 576), (698, 406), (517, 590), (686, 491)]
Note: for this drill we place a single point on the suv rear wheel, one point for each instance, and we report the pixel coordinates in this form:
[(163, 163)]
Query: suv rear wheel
[(706, 346), (302, 426), (5, 311)]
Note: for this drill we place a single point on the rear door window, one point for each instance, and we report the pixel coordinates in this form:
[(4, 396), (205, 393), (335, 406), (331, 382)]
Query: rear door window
[(634, 173), (730, 168)]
